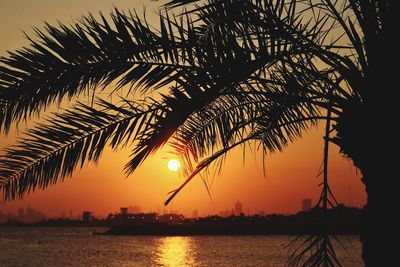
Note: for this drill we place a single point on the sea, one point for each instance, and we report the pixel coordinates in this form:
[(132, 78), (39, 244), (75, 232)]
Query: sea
[(53, 246)]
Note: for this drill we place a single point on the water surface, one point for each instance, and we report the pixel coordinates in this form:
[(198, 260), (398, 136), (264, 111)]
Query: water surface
[(78, 247)]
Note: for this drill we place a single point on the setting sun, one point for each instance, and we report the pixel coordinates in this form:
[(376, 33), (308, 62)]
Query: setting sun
[(173, 165)]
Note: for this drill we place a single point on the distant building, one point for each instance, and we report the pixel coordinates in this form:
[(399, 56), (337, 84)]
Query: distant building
[(171, 218), (86, 216), (238, 208), (306, 204), (148, 217), (139, 218), (30, 215), (63, 216), (124, 210)]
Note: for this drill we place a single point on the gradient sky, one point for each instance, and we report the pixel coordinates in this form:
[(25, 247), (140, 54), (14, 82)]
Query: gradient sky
[(103, 188)]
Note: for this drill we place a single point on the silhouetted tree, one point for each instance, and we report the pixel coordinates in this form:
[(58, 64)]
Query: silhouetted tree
[(237, 72)]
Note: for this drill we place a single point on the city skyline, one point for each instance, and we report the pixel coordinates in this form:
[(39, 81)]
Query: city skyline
[(236, 209)]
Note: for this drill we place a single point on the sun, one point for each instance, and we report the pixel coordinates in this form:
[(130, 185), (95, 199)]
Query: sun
[(173, 165)]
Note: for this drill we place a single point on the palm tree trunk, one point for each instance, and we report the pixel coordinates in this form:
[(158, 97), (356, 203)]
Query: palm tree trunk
[(377, 235), (367, 136)]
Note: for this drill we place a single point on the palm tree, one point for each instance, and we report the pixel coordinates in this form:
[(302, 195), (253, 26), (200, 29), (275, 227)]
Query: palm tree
[(228, 73)]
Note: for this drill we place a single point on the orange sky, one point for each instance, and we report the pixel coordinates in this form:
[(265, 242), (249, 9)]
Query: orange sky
[(103, 188)]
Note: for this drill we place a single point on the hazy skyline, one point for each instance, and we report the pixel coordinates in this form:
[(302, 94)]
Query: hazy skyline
[(291, 175)]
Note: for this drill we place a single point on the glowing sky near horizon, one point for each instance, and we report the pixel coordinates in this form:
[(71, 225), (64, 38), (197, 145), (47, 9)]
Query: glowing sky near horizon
[(103, 188)]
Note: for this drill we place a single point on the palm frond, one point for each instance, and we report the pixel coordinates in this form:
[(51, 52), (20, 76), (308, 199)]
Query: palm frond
[(51, 151), (273, 129), (314, 250), (222, 64), (66, 60), (274, 119)]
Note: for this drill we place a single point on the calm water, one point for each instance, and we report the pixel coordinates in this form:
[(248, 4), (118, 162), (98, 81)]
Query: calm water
[(78, 247)]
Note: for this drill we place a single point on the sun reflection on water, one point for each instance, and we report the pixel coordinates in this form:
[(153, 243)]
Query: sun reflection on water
[(175, 251)]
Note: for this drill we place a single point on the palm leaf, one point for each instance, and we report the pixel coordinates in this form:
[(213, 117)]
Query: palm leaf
[(66, 60), (51, 151)]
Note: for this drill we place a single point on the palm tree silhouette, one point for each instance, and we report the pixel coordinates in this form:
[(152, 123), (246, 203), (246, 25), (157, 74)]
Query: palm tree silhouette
[(237, 72)]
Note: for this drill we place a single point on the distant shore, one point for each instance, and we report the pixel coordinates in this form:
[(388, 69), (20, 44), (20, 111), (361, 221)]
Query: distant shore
[(346, 221), (343, 220)]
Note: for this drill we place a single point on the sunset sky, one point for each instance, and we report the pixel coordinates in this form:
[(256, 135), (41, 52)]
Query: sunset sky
[(103, 188)]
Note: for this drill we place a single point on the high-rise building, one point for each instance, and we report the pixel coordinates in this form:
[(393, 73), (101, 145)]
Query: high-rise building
[(306, 204), (238, 208)]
